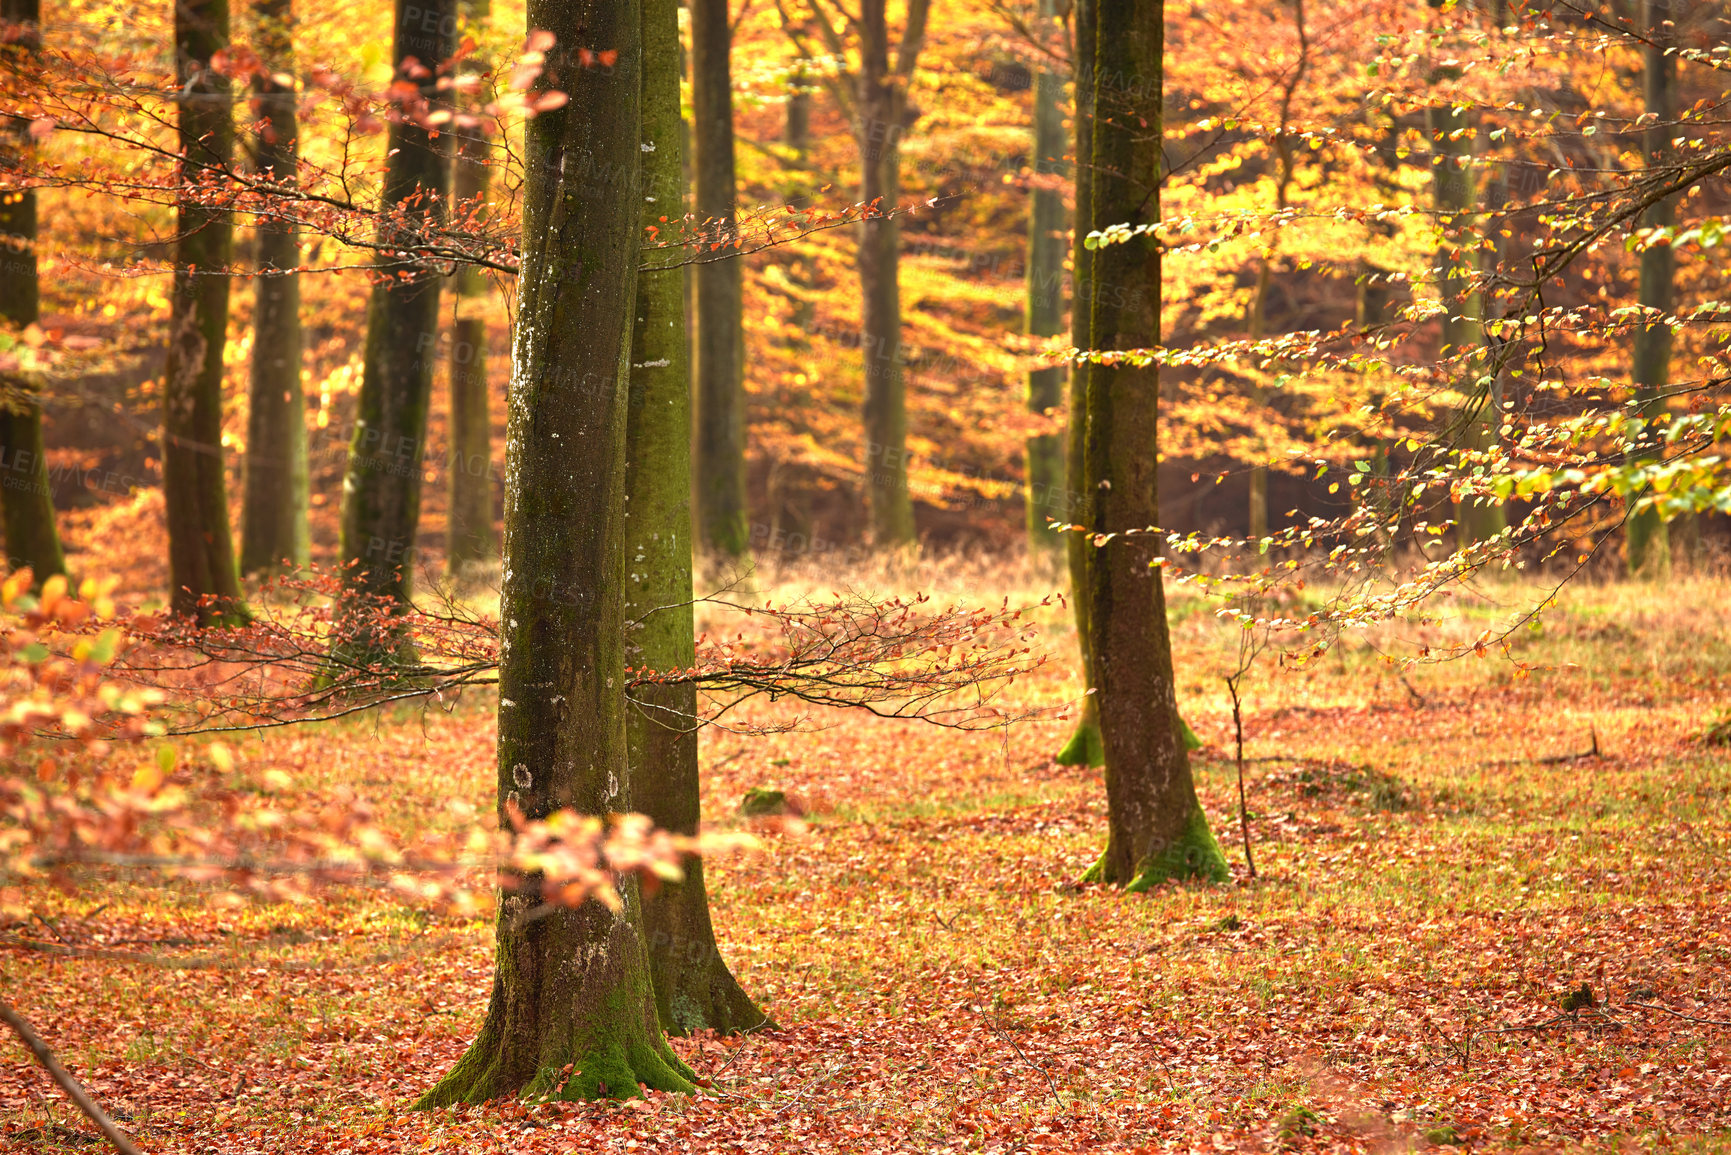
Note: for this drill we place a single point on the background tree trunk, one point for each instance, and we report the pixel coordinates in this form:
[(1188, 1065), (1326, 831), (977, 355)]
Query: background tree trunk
[(1044, 454), (694, 990), (273, 522), (26, 499), (202, 573), (881, 111), (382, 489), (720, 354), (1648, 541), (572, 986), (1083, 748), (796, 127), (1156, 828), (469, 522), (1453, 139)]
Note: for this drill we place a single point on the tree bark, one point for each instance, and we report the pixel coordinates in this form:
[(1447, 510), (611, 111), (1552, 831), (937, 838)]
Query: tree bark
[(572, 985), (204, 579), (1649, 543), (881, 113), (694, 990), (26, 498), (382, 488), (1083, 747), (1044, 454), (274, 497), (469, 538), (721, 505), (1156, 828)]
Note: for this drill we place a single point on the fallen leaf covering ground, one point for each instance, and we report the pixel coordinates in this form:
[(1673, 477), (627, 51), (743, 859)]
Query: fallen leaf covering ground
[(1441, 858)]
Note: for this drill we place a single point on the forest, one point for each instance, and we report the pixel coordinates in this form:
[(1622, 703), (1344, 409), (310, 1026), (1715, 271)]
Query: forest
[(865, 575)]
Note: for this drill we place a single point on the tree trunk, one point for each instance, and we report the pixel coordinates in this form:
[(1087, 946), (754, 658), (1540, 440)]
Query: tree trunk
[(274, 500), (1083, 748), (382, 489), (721, 507), (796, 127), (1157, 830), (469, 521), (572, 985), (26, 498), (204, 580), (694, 990), (1648, 541), (1452, 139), (1044, 454), (878, 133)]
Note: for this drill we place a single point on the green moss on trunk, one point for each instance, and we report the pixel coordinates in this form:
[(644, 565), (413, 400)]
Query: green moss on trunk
[(1047, 494), (694, 989)]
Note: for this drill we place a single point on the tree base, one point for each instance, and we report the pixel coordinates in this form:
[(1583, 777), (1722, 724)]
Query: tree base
[(694, 989), (617, 1069), (1084, 747), (1194, 856)]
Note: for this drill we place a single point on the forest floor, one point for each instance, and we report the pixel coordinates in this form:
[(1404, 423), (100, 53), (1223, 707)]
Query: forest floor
[(1440, 856)]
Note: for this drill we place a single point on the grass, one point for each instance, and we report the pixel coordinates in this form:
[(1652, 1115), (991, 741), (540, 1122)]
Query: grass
[(1437, 866)]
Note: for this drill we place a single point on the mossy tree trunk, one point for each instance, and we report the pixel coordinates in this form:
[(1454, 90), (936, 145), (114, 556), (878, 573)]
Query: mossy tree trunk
[(1156, 828), (572, 985), (469, 538), (723, 530), (1043, 454), (694, 990), (880, 119), (1648, 542), (382, 487), (204, 580), (1083, 747), (273, 520), (26, 498)]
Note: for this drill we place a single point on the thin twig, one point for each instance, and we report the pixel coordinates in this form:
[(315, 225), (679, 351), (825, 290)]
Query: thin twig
[(74, 1090), (1050, 1082), (1680, 1014)]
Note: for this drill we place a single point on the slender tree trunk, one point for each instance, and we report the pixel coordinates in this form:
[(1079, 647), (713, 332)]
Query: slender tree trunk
[(721, 506), (796, 128), (1258, 502), (382, 489), (880, 109), (694, 990), (1452, 140), (1083, 748), (469, 522), (26, 498), (205, 582), (1648, 541), (274, 499), (1044, 454), (1156, 827), (572, 985)]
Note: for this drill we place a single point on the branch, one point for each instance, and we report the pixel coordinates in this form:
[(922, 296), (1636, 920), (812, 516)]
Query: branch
[(74, 1090)]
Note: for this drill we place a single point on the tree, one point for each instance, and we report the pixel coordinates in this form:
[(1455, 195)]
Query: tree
[(720, 345), (694, 990), (469, 522), (382, 488), (274, 497), (572, 1013), (1047, 494), (26, 499), (1156, 827), (1453, 130), (1648, 541), (205, 582), (1083, 748)]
